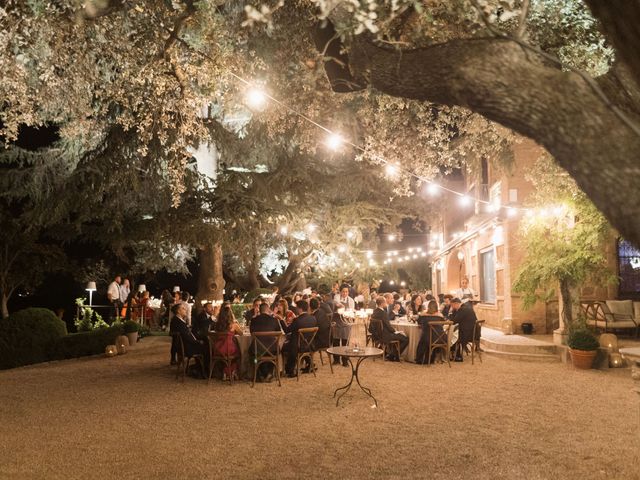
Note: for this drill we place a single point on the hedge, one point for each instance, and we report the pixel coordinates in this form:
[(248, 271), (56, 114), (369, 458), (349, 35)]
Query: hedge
[(86, 343), (29, 336)]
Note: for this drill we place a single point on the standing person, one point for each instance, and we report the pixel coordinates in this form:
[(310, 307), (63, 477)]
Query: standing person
[(465, 293), (185, 298), (342, 332), (123, 291), (167, 302), (227, 345), (323, 319), (344, 298), (113, 295)]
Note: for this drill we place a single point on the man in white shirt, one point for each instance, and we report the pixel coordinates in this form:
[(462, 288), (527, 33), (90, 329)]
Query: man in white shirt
[(125, 290), (113, 295), (344, 298)]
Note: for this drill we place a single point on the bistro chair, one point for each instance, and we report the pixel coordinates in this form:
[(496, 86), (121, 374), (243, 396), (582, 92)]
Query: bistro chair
[(475, 345), (368, 334), (305, 342), (440, 340), (217, 356), (263, 346), (182, 366), (324, 349)]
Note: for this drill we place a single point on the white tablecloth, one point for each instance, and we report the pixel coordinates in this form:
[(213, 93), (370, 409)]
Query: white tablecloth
[(413, 332)]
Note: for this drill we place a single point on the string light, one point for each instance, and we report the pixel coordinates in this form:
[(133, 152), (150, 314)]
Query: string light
[(256, 98), (391, 170), (392, 238), (342, 249), (432, 189), (334, 141), (465, 200), (311, 227), (283, 230), (350, 234)]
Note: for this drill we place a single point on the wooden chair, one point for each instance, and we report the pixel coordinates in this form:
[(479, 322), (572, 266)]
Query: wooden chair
[(367, 333), (475, 345), (324, 349), (181, 365), (263, 343), (376, 336), (440, 340), (216, 356), (305, 342)]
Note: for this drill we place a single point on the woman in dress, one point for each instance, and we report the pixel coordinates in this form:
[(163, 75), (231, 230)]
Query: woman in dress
[(226, 344), (430, 315)]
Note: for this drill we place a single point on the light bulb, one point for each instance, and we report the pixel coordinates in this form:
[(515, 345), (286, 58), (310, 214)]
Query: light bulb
[(283, 230), (391, 170), (256, 98), (392, 238), (334, 141), (432, 189), (465, 200)]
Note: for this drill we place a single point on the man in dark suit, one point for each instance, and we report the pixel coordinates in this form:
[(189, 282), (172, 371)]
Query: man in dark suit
[(254, 312), (383, 331), (323, 319), (204, 322), (192, 346), (465, 317), (265, 322), (303, 320)]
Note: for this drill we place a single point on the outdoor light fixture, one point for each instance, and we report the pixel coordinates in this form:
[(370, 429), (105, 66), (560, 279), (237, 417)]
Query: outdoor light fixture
[(176, 289), (369, 254), (392, 238), (91, 287), (256, 98), (410, 250), (402, 283), (334, 141), (415, 255), (142, 288), (460, 255), (511, 212), (391, 282), (423, 254), (465, 200)]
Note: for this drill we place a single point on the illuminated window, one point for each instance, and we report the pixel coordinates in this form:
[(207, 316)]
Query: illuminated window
[(487, 276), (628, 269)]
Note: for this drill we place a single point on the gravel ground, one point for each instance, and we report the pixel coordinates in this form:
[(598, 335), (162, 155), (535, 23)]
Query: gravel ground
[(127, 417)]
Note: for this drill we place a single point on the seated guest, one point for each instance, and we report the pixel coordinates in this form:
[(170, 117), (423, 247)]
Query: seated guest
[(204, 322), (396, 310), (445, 307), (283, 313), (253, 312), (415, 304), (382, 330), (304, 320), (227, 345), (430, 315), (323, 319), (344, 298), (465, 318), (396, 299), (192, 345), (372, 299), (265, 322)]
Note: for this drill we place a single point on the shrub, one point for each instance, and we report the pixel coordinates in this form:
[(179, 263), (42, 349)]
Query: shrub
[(86, 343), (88, 319), (239, 309), (130, 326), (144, 331), (581, 338), (28, 336)]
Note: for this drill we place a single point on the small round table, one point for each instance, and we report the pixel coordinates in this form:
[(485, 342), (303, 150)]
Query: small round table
[(361, 354)]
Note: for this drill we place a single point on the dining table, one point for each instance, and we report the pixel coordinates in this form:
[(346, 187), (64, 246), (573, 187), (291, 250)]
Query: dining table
[(413, 331)]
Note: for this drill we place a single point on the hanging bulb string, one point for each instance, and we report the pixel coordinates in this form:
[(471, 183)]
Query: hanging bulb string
[(360, 148)]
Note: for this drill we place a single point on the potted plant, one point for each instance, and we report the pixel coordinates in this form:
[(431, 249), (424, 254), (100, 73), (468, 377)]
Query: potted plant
[(131, 331), (583, 346)]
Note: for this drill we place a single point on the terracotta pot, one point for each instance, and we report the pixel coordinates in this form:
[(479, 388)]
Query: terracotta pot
[(133, 338), (582, 359)]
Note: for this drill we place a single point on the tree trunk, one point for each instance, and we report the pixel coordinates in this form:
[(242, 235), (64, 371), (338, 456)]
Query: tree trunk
[(497, 79), (567, 303), (288, 281), (5, 306), (210, 279)]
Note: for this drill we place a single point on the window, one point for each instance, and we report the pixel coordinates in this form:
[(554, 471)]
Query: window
[(487, 276), (628, 269)]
